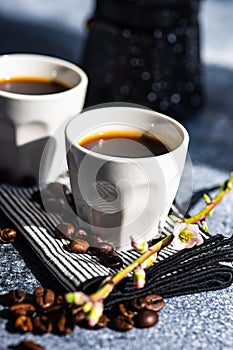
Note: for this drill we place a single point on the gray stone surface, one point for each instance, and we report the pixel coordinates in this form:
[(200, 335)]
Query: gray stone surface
[(193, 322)]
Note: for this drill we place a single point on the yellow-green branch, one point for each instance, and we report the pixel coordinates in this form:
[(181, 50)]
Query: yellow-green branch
[(224, 189), (109, 283), (107, 287)]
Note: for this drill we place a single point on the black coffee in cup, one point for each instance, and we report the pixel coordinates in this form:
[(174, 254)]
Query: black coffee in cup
[(32, 85), (124, 143)]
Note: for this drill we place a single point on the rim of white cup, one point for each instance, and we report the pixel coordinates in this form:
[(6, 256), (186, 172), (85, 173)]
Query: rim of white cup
[(125, 159), (49, 59)]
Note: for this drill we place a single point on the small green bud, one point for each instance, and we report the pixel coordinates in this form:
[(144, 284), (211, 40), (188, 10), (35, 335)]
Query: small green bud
[(204, 226), (174, 218), (87, 306), (70, 298), (207, 198)]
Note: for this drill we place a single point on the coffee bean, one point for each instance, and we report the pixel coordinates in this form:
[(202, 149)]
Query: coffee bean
[(78, 314), (3, 241), (112, 261), (150, 302), (7, 235), (44, 298), (102, 248), (103, 322), (23, 324), (54, 313), (125, 312), (65, 323), (153, 302), (80, 233), (137, 304), (145, 318), (78, 246), (64, 230), (60, 300), (42, 324), (22, 309), (95, 239), (122, 323), (54, 309), (15, 296), (28, 345)]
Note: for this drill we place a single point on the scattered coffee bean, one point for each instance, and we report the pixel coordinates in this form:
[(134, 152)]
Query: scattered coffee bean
[(15, 296), (137, 304), (28, 345), (23, 324), (102, 248), (52, 313), (125, 312), (60, 299), (65, 323), (44, 298), (95, 239), (80, 233), (122, 323), (52, 200), (150, 302), (22, 309), (145, 318), (42, 324), (7, 235), (112, 261), (153, 302), (103, 322), (54, 309), (78, 246), (64, 230), (79, 316)]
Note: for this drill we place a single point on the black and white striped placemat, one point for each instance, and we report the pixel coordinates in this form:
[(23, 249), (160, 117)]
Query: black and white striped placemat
[(37, 226)]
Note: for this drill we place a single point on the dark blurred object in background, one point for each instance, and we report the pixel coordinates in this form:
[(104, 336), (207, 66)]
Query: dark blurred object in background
[(145, 52)]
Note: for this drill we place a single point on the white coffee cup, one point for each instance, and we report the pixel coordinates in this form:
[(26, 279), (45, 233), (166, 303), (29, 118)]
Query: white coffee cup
[(120, 197), (27, 121)]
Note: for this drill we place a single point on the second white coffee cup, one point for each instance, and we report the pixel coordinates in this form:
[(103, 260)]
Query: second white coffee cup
[(27, 120)]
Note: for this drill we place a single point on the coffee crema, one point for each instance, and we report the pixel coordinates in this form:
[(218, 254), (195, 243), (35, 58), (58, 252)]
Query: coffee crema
[(124, 143), (32, 85)]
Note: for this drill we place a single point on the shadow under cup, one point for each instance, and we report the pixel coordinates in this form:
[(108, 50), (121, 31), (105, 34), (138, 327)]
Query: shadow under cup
[(121, 196), (28, 120)]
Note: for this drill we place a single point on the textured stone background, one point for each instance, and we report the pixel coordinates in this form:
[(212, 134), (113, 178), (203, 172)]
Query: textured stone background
[(195, 322)]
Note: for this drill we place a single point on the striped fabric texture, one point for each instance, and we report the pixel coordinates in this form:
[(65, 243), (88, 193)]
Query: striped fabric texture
[(38, 227)]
